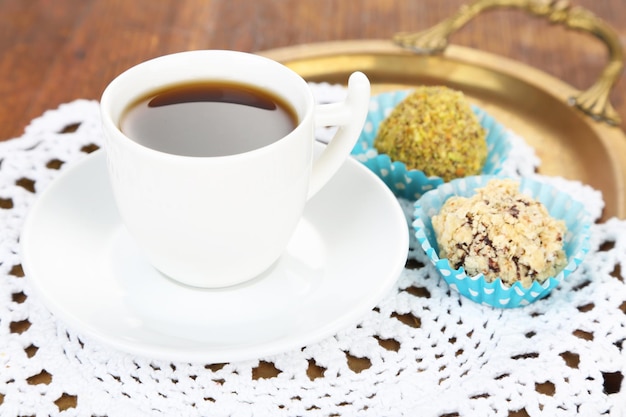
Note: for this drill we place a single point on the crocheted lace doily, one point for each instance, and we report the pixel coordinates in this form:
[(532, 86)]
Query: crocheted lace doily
[(423, 350)]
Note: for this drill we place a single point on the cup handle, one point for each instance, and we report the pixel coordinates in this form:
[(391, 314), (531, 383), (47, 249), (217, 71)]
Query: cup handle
[(350, 116)]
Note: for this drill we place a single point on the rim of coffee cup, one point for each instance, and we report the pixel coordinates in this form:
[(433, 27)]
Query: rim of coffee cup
[(112, 107)]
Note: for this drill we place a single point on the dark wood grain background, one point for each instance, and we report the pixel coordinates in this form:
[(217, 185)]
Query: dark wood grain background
[(56, 51)]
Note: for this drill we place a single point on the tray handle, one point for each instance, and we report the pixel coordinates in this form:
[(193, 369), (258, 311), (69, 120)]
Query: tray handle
[(594, 101)]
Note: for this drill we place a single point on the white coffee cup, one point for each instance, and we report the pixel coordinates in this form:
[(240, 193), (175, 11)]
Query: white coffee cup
[(221, 220)]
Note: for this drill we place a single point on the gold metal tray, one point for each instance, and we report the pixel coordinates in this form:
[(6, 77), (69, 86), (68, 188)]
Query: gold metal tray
[(535, 105)]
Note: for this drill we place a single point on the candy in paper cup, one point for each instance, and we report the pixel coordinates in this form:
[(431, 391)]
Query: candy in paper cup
[(412, 183), (560, 205)]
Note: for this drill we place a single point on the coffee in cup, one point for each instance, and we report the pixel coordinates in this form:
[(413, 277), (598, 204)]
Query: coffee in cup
[(208, 118)]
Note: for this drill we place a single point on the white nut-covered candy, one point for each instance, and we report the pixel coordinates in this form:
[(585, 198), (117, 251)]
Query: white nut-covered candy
[(501, 233)]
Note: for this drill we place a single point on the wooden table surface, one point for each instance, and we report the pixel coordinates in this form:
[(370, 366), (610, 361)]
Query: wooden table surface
[(54, 52)]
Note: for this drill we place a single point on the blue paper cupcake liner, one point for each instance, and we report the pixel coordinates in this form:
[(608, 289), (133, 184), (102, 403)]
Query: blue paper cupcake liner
[(412, 183), (560, 205)]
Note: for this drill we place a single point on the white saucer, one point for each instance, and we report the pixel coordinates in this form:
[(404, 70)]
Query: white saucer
[(344, 257)]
